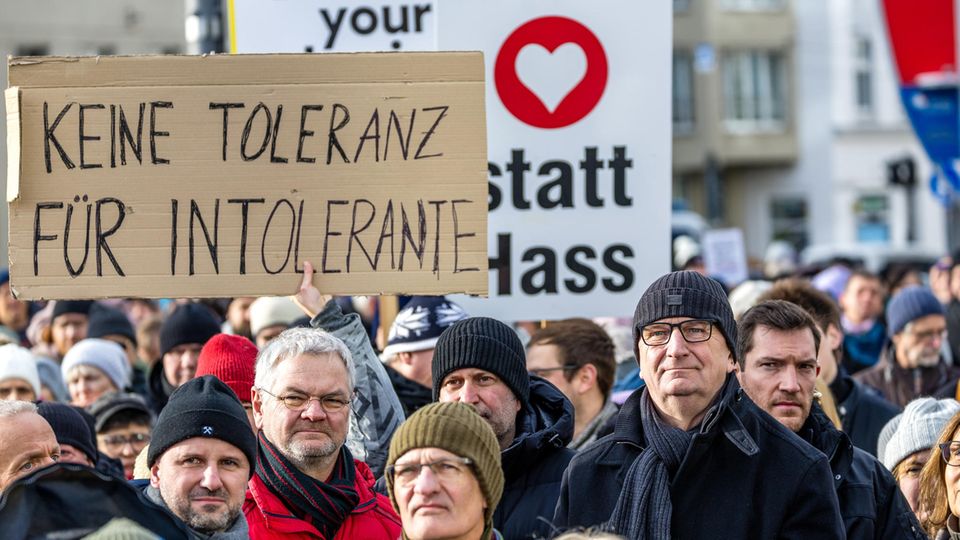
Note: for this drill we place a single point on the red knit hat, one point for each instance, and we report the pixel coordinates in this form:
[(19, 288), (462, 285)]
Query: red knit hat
[(230, 359)]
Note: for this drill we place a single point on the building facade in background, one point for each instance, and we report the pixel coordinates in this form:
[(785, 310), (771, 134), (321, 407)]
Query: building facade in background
[(786, 115), (83, 28)]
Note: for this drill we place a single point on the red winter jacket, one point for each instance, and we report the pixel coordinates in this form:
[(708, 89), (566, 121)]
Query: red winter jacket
[(373, 518)]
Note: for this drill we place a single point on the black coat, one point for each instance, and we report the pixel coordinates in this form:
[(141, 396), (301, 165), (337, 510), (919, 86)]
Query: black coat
[(871, 503), (68, 500), (533, 465), (412, 394), (862, 411), (158, 389), (744, 476)]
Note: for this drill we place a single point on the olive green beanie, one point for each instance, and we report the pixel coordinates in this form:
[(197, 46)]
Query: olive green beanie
[(456, 428)]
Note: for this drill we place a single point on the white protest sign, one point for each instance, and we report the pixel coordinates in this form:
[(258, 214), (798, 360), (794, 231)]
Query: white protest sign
[(579, 138), (266, 26), (724, 255)]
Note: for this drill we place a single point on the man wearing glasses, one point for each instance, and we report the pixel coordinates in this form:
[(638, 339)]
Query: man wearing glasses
[(778, 369), (124, 423), (691, 455), (911, 364), (577, 356), (307, 483)]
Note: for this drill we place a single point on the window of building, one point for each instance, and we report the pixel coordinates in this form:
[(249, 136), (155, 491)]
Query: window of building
[(753, 5), (863, 75), (681, 6), (754, 92), (872, 215), (789, 217), (682, 92)]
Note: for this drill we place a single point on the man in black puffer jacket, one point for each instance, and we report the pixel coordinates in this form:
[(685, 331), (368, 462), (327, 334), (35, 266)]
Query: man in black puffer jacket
[(480, 361), (778, 344)]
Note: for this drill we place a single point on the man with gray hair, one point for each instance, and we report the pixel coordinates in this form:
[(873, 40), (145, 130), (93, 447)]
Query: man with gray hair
[(27, 442), (307, 481)]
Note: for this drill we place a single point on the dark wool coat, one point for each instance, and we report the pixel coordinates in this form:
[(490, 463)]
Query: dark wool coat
[(158, 389), (862, 411), (871, 503), (744, 476), (533, 465), (412, 394)]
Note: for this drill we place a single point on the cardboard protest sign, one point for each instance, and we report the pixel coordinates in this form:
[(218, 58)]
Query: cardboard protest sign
[(219, 175)]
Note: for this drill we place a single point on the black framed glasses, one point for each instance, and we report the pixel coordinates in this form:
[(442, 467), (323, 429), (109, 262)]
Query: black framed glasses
[(540, 371), (298, 402), (445, 470), (694, 331), (950, 452), (136, 440)]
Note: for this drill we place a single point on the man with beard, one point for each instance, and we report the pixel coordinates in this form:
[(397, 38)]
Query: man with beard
[(307, 483), (911, 364), (778, 367), (201, 456), (481, 362)]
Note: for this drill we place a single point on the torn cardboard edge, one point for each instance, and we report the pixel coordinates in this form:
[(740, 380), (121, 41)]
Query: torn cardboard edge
[(218, 69), (12, 98)]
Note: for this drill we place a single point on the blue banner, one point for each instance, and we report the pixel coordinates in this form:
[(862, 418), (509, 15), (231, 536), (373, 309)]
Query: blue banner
[(935, 116)]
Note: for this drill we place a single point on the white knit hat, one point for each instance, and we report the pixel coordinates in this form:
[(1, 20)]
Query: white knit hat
[(18, 363), (272, 310), (104, 355), (917, 428)]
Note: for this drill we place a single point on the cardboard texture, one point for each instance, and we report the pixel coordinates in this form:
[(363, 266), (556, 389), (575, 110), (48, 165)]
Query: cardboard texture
[(217, 176)]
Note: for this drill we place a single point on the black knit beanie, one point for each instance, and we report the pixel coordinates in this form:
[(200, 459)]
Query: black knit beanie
[(189, 323), (62, 307), (685, 294), (106, 321), (70, 427), (482, 343), (203, 407)]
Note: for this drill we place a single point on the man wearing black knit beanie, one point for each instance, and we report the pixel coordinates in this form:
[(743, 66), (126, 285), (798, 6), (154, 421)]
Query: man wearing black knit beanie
[(182, 337), (201, 456), (691, 456), (481, 362)]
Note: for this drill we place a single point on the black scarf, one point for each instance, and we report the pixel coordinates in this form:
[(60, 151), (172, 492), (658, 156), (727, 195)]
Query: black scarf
[(325, 505), (644, 509)]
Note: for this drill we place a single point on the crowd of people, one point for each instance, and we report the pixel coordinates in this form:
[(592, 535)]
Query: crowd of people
[(802, 406)]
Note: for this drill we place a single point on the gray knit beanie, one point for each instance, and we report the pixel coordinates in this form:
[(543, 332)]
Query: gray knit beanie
[(917, 428), (482, 343), (910, 304), (686, 294)]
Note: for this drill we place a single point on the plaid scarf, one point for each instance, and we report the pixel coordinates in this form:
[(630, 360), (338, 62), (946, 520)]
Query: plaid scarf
[(644, 509), (325, 505)]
